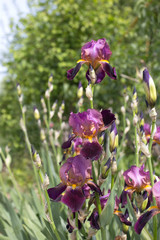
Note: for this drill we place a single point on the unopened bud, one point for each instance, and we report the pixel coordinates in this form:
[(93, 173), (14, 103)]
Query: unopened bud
[(50, 80), (47, 94), (19, 91), (8, 160), (36, 158), (123, 110), (125, 230), (92, 74), (42, 135), (20, 98), (126, 98), (113, 143), (153, 114), (89, 93), (145, 150), (150, 89), (54, 106), (114, 167), (22, 125), (45, 182), (36, 113), (80, 102), (144, 204), (43, 105), (135, 120), (80, 90)]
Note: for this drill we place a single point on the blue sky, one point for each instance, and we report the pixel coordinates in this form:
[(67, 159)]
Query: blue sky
[(9, 9)]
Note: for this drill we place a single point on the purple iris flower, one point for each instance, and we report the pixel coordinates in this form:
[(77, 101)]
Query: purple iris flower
[(137, 179), (87, 125), (96, 55), (94, 218), (147, 130), (76, 182), (152, 211)]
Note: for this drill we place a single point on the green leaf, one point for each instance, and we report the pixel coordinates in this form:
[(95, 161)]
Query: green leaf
[(34, 229), (1, 164), (107, 213), (15, 221)]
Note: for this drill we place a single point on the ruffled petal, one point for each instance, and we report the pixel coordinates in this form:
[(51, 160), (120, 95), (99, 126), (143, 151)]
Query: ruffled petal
[(91, 150), (111, 72), (55, 193), (74, 199)]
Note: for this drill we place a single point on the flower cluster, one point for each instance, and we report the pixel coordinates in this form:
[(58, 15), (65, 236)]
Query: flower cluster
[(84, 170)]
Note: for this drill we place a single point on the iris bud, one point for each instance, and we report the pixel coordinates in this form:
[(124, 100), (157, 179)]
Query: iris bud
[(150, 89)]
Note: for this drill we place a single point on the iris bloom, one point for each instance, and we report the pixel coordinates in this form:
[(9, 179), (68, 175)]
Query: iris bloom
[(96, 55), (156, 138), (87, 125), (94, 218), (137, 179), (75, 175), (152, 211)]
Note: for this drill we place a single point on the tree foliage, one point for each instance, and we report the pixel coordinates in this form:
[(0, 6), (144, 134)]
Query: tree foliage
[(49, 39)]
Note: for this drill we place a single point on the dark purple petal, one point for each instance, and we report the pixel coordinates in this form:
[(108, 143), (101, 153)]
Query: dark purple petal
[(94, 187), (94, 220), (73, 71), (108, 117), (55, 193), (74, 199), (139, 225), (108, 164), (146, 77), (123, 198), (92, 150), (68, 143), (111, 72), (124, 217), (100, 74)]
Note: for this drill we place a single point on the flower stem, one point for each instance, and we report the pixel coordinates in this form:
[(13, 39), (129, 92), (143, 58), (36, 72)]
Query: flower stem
[(152, 177), (136, 143), (30, 152), (49, 209), (112, 181)]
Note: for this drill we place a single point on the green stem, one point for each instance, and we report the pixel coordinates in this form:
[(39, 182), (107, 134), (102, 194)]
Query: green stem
[(30, 152), (112, 181), (152, 177), (49, 208), (136, 143), (91, 101), (124, 134), (2, 184), (76, 222)]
